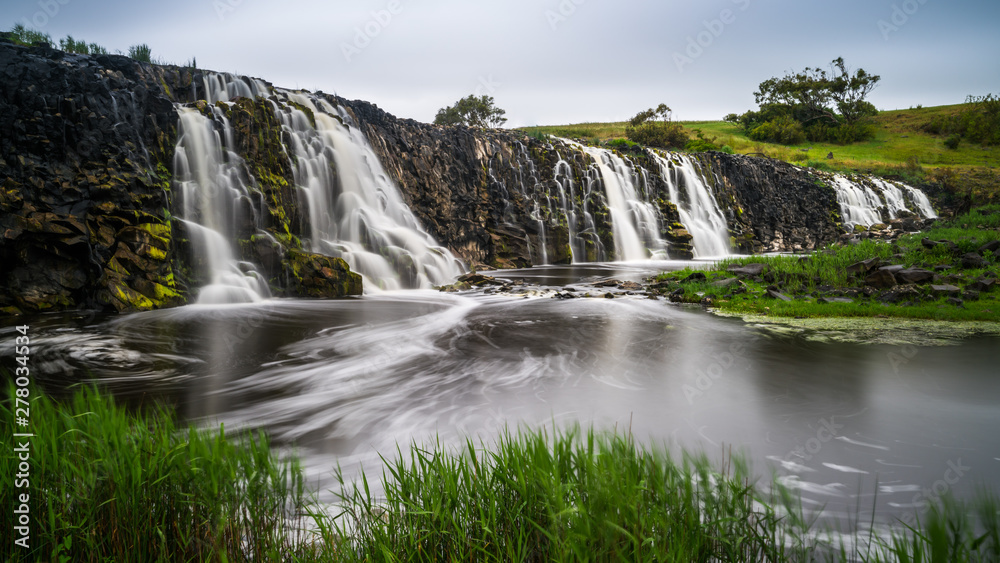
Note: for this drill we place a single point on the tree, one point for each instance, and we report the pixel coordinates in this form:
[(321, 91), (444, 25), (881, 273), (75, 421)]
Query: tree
[(812, 104), (473, 112), (654, 128)]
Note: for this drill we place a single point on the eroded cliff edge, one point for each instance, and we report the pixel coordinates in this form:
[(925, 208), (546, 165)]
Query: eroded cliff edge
[(88, 213)]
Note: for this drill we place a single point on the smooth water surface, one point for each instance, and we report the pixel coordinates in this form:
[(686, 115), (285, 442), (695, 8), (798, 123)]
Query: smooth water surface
[(345, 380)]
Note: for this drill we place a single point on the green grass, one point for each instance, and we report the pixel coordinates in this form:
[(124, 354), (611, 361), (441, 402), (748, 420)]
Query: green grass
[(899, 144), (824, 273), (108, 485)]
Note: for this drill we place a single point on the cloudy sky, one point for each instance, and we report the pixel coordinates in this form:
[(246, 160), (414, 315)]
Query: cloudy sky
[(553, 61)]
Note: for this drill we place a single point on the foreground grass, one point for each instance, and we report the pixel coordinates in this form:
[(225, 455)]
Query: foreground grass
[(112, 486), (814, 279), (108, 485)]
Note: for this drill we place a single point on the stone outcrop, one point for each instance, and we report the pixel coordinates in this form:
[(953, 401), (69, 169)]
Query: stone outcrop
[(88, 207)]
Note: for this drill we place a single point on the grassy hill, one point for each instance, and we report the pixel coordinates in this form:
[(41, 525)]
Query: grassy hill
[(901, 148)]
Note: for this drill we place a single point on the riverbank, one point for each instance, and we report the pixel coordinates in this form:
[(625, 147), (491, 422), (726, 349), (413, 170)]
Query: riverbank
[(186, 494), (948, 273)]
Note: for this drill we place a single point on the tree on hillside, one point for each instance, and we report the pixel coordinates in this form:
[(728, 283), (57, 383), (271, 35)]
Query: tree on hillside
[(472, 111), (654, 128), (812, 104)]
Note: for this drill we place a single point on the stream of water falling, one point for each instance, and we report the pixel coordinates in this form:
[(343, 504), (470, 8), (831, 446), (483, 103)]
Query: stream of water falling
[(697, 207), (635, 221), (216, 201), (861, 205)]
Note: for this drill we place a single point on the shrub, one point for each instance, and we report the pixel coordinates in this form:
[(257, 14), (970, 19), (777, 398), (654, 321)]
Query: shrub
[(646, 129), (799, 156), (623, 144), (783, 130), (28, 37), (141, 53), (727, 149), (952, 141)]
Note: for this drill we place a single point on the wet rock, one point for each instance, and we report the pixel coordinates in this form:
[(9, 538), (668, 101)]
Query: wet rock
[(694, 276), (863, 267), (748, 270), (945, 289), (320, 276), (971, 295), (725, 282), (778, 295), (992, 246), (835, 300), (900, 293), (972, 260), (982, 284), (881, 278), (630, 286), (914, 275), (478, 280)]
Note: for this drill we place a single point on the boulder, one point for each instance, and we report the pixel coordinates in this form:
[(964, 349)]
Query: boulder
[(882, 279), (748, 270), (778, 295), (864, 266), (945, 289), (900, 293), (982, 284), (914, 275), (991, 246), (972, 260)]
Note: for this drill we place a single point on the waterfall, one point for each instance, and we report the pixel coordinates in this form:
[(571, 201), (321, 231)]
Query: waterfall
[(698, 210), (635, 221), (921, 202), (862, 205), (216, 203), (355, 210)]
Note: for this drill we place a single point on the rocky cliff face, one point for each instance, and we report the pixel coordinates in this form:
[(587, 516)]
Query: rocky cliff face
[(88, 207)]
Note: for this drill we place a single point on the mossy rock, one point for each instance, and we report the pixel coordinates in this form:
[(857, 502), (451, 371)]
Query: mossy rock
[(319, 276)]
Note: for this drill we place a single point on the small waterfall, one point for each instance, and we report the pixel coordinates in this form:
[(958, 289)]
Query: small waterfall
[(862, 205), (635, 221), (355, 210), (216, 203), (579, 221), (697, 207), (921, 202)]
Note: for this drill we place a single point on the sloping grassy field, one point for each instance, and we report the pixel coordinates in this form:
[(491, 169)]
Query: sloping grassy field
[(901, 143)]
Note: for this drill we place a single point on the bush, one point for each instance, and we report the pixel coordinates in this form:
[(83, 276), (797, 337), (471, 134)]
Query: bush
[(799, 156), (662, 133), (28, 37), (783, 130), (952, 141), (141, 53), (727, 149), (623, 144)]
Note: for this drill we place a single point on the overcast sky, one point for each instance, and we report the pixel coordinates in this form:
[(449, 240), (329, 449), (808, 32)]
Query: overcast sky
[(553, 61)]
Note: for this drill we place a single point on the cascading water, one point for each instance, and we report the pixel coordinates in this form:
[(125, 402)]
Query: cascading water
[(579, 220), (635, 221), (862, 205), (697, 207), (355, 210), (216, 198)]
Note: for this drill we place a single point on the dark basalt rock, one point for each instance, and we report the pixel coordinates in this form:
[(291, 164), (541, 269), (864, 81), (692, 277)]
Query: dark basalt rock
[(748, 270), (972, 260), (914, 275), (882, 279)]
